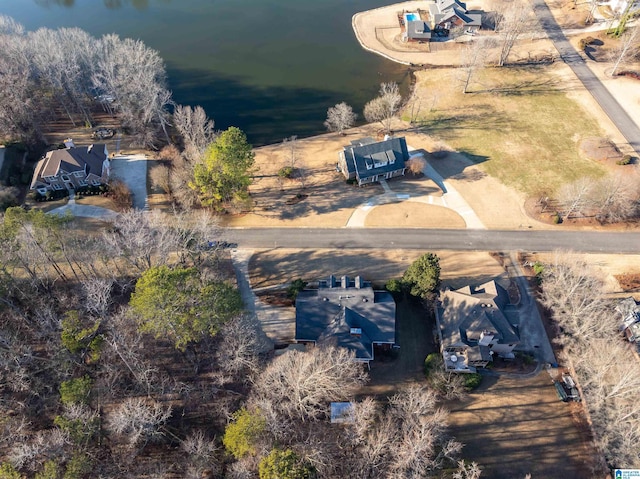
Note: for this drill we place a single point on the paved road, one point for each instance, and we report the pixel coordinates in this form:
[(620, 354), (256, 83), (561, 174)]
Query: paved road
[(463, 240), (571, 57)]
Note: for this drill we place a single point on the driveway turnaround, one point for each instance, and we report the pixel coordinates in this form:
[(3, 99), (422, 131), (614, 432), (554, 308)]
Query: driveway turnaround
[(611, 107), (133, 171)]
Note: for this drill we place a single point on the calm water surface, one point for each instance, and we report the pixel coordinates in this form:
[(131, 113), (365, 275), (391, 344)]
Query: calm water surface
[(271, 67)]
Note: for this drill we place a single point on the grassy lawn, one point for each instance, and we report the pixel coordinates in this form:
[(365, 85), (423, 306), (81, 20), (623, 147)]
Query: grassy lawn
[(96, 200), (517, 124)]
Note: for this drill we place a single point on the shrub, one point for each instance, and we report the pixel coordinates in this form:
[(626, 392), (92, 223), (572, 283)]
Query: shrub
[(51, 470), (286, 172), (472, 381), (626, 160), (75, 390), (283, 465), (77, 338), (584, 42), (8, 197), (7, 471), (241, 436), (432, 361), (556, 219), (295, 287), (394, 285), (78, 466), (120, 194)]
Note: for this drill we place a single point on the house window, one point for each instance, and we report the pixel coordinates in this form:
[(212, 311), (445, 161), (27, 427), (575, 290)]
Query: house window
[(56, 186), (50, 178), (95, 182), (42, 191), (66, 178), (82, 182), (78, 174)]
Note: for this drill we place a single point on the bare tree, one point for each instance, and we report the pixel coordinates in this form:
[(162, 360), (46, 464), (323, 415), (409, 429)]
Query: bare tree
[(202, 455), (139, 420), (516, 20), (300, 385), (416, 165), (616, 198), (474, 57), (610, 385), (242, 341), (31, 453), (627, 49), (292, 151), (574, 197), (385, 107), (467, 470), (340, 117), (196, 129), (574, 293), (160, 175), (97, 295), (404, 440)]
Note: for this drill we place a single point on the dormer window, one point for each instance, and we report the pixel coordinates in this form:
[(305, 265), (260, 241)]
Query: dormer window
[(66, 178)]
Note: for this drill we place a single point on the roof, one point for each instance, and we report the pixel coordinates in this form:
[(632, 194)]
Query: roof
[(342, 412), (444, 10), (351, 314), (418, 29), (467, 314), (70, 160), (370, 159)]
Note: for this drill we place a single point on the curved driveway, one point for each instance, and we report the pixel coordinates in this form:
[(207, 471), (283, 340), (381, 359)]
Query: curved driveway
[(571, 57), (460, 240)]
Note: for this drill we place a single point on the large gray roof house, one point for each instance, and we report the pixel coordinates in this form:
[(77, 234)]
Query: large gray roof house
[(71, 168), (449, 14), (347, 313), (369, 161), (472, 326)]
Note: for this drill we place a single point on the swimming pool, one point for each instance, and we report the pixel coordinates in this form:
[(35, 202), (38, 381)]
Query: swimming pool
[(411, 17)]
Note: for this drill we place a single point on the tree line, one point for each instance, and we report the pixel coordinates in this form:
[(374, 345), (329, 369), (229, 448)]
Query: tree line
[(609, 376), (70, 71)]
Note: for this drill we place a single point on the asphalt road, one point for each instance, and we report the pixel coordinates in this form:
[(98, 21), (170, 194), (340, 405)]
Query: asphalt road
[(571, 57), (432, 239)]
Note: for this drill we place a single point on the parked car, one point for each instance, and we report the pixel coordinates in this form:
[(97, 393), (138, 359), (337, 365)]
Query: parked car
[(221, 245), (102, 133)]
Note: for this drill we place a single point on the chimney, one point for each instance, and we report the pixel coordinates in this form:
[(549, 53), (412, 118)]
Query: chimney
[(68, 143), (89, 148), (345, 282), (359, 283)]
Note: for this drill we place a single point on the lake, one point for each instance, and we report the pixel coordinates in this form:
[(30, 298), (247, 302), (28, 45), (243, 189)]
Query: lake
[(270, 67)]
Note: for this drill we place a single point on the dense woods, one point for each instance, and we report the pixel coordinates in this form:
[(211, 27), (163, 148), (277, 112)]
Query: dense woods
[(607, 371), (69, 71), (125, 353)]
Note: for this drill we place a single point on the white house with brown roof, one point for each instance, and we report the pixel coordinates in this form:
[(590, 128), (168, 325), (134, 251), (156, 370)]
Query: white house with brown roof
[(473, 327), (71, 168)]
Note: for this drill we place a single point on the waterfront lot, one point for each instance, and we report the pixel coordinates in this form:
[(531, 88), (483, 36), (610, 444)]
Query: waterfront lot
[(519, 124)]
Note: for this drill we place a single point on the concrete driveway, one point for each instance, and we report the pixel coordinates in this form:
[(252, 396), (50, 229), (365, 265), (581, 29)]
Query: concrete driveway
[(85, 211), (133, 171)]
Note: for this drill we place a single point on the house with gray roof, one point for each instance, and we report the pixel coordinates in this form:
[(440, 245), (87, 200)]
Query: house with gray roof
[(473, 327), (446, 15), (415, 28), (629, 310), (347, 313), (71, 168), (369, 161)]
